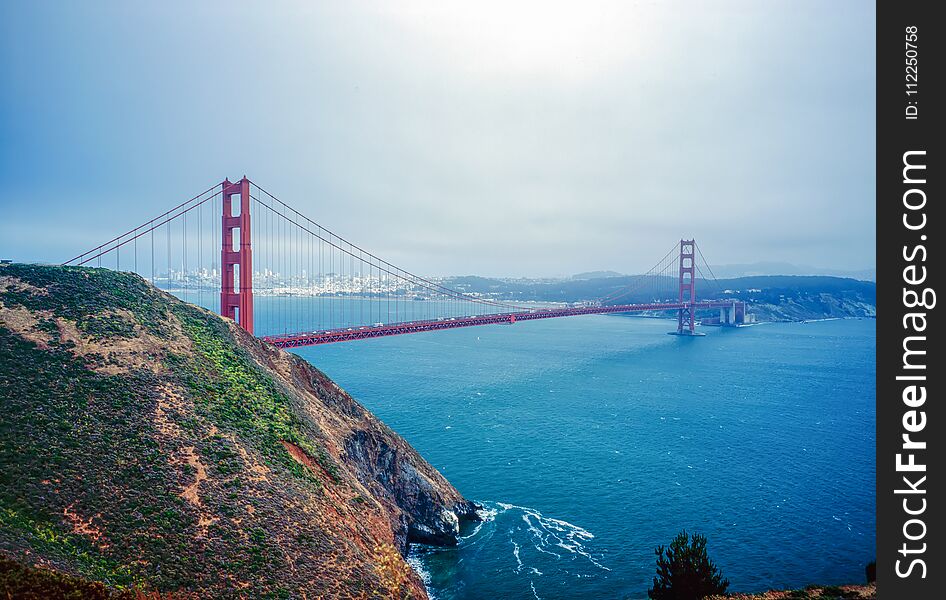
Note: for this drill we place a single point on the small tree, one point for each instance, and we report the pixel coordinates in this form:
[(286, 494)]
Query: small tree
[(685, 572)]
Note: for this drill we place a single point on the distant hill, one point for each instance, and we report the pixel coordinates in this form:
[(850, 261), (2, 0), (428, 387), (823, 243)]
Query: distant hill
[(147, 444), (597, 275), (782, 268)]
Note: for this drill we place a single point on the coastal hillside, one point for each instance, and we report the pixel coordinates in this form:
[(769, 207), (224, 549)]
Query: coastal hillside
[(812, 592), (150, 445), (769, 297), (802, 298)]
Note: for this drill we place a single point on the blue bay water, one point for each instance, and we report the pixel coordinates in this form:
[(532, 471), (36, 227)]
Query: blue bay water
[(591, 440)]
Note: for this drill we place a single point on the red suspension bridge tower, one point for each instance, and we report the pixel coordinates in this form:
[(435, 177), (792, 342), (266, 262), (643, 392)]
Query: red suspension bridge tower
[(236, 280), (685, 320)]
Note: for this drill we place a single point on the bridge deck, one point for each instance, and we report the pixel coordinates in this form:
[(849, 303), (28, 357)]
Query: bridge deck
[(348, 334)]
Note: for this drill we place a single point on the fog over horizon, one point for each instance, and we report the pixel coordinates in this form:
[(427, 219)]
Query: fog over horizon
[(500, 139)]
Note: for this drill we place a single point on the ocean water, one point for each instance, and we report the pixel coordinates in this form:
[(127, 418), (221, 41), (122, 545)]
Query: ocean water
[(591, 440)]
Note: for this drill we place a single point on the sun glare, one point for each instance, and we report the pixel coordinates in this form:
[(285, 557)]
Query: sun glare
[(530, 38)]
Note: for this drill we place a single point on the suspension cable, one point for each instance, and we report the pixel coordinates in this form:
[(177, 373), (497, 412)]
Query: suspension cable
[(430, 284), (425, 283)]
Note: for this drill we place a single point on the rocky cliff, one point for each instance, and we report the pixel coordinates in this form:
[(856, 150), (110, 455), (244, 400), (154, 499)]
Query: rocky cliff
[(813, 307), (149, 444)]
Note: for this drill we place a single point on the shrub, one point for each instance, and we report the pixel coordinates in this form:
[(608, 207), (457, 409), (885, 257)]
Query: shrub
[(21, 581), (685, 572)]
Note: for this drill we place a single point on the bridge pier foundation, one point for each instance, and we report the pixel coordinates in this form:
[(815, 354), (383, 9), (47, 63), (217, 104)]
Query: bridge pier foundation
[(727, 315), (732, 316)]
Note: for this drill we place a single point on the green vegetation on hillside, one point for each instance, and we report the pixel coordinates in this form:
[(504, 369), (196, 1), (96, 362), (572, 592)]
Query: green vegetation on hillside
[(230, 389), (27, 583)]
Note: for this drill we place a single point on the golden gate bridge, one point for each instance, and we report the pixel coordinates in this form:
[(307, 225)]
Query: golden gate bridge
[(316, 287)]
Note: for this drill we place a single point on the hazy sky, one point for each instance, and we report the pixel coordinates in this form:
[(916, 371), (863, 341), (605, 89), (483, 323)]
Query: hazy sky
[(496, 138)]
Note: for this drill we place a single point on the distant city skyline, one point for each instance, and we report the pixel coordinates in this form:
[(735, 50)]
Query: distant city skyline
[(502, 139)]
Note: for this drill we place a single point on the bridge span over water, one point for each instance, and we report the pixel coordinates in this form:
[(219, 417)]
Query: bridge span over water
[(241, 240)]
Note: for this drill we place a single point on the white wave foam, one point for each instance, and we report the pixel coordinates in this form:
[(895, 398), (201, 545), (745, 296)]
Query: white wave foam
[(515, 552), (486, 513), (413, 559), (548, 533)]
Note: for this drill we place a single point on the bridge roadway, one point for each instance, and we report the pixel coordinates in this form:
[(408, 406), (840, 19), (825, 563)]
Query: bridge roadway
[(348, 334)]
